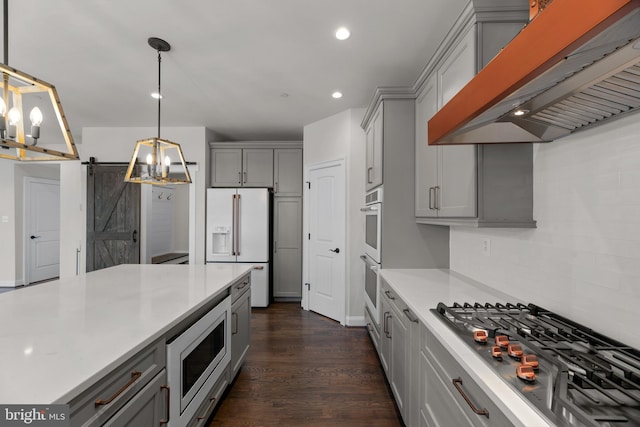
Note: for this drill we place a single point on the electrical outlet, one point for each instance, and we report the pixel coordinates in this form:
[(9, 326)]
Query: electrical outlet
[(486, 247)]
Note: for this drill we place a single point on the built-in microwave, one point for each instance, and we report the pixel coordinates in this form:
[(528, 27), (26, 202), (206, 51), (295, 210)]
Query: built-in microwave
[(196, 359), (373, 224)]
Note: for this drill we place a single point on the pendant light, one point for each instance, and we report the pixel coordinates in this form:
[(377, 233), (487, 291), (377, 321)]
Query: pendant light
[(21, 92), (154, 160)]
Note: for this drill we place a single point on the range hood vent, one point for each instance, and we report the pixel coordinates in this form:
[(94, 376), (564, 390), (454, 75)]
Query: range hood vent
[(576, 65)]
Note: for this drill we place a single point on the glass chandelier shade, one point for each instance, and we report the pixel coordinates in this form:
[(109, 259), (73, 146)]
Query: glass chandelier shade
[(158, 161)]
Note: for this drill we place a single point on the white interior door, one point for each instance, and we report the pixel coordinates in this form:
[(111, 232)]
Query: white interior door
[(43, 229), (327, 251)]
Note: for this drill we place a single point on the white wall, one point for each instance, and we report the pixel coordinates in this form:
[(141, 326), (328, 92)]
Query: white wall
[(8, 228), (341, 137), (583, 260)]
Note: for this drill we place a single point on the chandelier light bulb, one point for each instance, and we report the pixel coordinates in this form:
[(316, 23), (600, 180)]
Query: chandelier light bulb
[(167, 161), (36, 117), (149, 159), (14, 116), (3, 107)]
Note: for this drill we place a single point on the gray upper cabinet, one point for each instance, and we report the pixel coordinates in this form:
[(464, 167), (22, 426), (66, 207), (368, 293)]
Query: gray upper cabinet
[(374, 149), (287, 172), (483, 186), (238, 167), (257, 167)]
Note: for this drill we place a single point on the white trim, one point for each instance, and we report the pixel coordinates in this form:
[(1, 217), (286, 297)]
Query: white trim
[(356, 321), (11, 283), (27, 181), (193, 171), (341, 162)]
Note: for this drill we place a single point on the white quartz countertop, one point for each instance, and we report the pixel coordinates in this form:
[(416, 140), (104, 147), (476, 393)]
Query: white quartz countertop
[(422, 290), (58, 338)]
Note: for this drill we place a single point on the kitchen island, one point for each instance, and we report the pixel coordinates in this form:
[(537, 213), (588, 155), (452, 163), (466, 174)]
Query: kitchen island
[(60, 338)]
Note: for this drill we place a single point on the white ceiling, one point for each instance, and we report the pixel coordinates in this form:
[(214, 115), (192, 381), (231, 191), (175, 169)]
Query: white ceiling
[(231, 60)]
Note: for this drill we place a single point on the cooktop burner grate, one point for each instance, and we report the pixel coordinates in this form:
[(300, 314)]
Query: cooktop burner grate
[(594, 380)]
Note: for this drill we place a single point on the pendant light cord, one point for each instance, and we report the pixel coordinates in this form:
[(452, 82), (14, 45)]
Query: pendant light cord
[(159, 90), (6, 32)]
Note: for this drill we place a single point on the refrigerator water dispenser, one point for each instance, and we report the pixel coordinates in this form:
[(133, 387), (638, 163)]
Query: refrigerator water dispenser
[(221, 238)]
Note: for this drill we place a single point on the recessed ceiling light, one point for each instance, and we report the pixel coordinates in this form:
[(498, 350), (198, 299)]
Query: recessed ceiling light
[(284, 95), (156, 95), (337, 94), (343, 33), (519, 113)]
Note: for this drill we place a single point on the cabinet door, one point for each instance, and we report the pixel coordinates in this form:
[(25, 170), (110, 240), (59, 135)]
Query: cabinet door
[(257, 167), (227, 167), (240, 331), (146, 408), (457, 177), (399, 361), (385, 336), (287, 247), (374, 138), (426, 156), (287, 172)]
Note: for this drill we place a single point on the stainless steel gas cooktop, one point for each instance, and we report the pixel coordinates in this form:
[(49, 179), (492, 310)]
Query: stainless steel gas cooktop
[(572, 374)]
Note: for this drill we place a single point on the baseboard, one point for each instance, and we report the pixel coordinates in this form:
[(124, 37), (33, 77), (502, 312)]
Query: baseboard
[(11, 283), (356, 321)]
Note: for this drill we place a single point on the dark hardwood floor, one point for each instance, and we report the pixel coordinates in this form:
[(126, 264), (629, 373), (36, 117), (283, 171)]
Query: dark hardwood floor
[(305, 370)]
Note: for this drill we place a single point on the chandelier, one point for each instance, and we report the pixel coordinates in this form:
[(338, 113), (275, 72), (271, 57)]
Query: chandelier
[(158, 161), (22, 92)]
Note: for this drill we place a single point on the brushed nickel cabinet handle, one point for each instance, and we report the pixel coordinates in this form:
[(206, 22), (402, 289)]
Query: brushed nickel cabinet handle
[(431, 191), (245, 177), (389, 295), (239, 177), (409, 315), (457, 383), (388, 332), (166, 387), (135, 375), (436, 198), (211, 402)]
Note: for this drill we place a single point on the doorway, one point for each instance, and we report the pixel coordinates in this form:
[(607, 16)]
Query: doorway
[(326, 240)]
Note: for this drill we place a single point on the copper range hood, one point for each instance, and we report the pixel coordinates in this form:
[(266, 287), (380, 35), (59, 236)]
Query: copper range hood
[(575, 65)]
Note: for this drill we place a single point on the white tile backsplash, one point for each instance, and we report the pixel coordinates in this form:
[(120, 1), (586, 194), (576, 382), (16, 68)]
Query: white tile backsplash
[(583, 260)]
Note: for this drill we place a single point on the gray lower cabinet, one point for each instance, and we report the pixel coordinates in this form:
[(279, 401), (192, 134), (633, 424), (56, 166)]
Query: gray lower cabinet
[(398, 352), (213, 399), (287, 248), (240, 328), (104, 399), (148, 408), (448, 395)]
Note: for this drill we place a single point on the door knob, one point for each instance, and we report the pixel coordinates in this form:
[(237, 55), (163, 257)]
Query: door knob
[(336, 250), (35, 237)]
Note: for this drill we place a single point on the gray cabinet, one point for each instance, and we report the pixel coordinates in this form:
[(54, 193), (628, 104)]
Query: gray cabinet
[(484, 186), (240, 325), (287, 248), (445, 402), (287, 172), (148, 408), (242, 167), (374, 149)]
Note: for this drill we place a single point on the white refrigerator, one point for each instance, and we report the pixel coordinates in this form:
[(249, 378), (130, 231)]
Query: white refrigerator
[(238, 231)]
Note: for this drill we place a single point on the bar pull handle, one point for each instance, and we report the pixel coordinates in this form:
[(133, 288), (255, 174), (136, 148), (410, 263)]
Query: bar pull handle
[(244, 284), (276, 187), (212, 400), (233, 225), (245, 177), (431, 190), (239, 177), (457, 383), (258, 267), (436, 197), (238, 224), (389, 295), (235, 323), (387, 332), (410, 315), (166, 387), (134, 377)]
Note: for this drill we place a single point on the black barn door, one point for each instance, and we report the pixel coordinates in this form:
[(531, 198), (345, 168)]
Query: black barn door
[(113, 217)]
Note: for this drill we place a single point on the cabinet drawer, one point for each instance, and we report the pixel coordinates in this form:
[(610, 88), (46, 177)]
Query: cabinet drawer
[(395, 302), (212, 400), (447, 368), (240, 287), (374, 333), (101, 401)]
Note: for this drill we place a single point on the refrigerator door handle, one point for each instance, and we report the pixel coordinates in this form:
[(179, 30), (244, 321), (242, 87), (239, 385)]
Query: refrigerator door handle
[(233, 224), (238, 225)]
